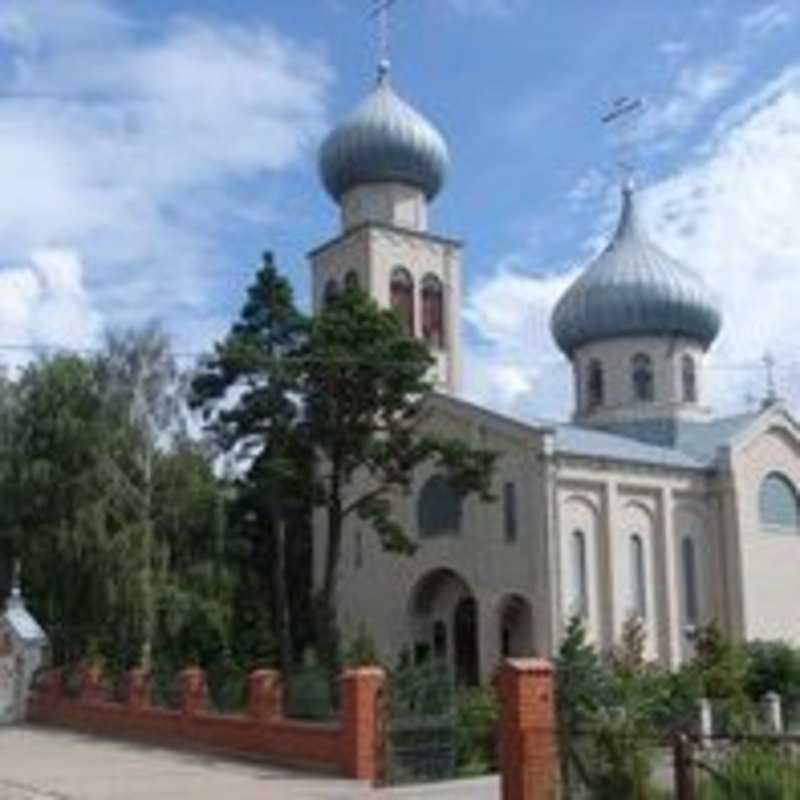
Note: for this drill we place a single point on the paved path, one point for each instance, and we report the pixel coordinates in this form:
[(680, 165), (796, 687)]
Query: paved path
[(47, 764)]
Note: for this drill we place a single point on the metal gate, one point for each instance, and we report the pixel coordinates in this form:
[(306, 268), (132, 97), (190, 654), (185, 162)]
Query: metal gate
[(420, 728)]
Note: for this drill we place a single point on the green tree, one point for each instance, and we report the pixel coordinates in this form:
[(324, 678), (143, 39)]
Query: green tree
[(365, 396), (249, 390)]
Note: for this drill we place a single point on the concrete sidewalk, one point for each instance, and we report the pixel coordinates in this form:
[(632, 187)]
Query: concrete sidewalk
[(47, 764)]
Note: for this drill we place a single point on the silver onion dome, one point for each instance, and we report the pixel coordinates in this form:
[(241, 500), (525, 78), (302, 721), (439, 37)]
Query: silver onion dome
[(633, 288), (383, 140)]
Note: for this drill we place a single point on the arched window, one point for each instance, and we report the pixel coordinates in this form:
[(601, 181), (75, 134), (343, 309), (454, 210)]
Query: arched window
[(642, 376), (778, 504), (689, 379), (351, 281), (580, 574), (433, 311), (439, 509), (331, 291), (402, 297), (638, 577), (595, 384), (690, 589)]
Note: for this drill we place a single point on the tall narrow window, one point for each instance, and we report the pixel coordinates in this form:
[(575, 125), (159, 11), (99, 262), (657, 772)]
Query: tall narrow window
[(331, 291), (642, 376), (433, 311), (595, 384), (402, 297), (510, 511), (690, 588), (580, 575), (778, 504), (359, 553), (638, 577), (351, 280), (689, 379)]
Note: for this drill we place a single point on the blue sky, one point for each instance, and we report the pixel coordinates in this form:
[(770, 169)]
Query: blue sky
[(150, 150)]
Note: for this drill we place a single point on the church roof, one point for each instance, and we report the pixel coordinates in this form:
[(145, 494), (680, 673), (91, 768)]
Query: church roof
[(383, 140), (20, 620), (633, 288)]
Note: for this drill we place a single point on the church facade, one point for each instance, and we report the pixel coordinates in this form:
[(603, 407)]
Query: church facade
[(645, 505)]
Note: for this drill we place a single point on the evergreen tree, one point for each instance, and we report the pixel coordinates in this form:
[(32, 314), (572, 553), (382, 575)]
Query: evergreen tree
[(249, 391)]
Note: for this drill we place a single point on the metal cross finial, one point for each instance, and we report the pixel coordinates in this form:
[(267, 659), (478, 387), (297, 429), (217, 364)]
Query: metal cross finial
[(16, 579), (380, 11), (623, 119), (769, 368)]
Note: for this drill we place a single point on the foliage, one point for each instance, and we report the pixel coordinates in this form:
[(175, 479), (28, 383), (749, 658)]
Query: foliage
[(772, 667), (361, 650), (424, 689), (249, 391), (309, 690), (757, 772), (476, 719)]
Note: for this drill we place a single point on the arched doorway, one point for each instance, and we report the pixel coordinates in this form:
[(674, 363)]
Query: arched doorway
[(443, 617), (516, 627)]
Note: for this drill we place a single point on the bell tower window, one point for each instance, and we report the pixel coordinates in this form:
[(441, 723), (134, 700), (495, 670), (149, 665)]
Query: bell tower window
[(595, 384), (433, 311), (351, 281), (331, 291), (402, 297), (642, 377), (689, 379)]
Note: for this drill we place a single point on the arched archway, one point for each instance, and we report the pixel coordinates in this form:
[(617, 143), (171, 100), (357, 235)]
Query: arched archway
[(515, 617), (443, 617)]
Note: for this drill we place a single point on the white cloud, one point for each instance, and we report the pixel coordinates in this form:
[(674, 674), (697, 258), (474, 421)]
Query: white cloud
[(731, 215), (45, 304), (767, 20), (696, 87), (124, 146), (492, 8)]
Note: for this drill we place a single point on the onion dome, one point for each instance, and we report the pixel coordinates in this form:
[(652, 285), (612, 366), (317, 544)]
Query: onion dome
[(633, 288), (384, 139)]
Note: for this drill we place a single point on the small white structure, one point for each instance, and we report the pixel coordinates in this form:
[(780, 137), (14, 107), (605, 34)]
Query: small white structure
[(23, 646)]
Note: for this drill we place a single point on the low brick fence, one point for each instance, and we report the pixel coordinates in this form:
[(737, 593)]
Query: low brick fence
[(348, 746)]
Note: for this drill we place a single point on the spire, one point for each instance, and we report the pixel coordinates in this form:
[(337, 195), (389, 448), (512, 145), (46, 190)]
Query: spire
[(629, 222), (16, 585)]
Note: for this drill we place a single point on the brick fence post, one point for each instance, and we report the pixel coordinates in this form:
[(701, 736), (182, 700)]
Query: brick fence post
[(528, 744), (360, 694), (138, 690), (193, 691), (264, 694), (92, 690)]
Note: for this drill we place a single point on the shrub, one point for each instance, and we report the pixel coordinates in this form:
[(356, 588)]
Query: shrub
[(361, 651), (476, 716), (755, 772)]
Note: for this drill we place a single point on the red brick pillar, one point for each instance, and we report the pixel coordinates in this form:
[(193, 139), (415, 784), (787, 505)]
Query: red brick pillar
[(193, 691), (92, 690), (138, 690), (264, 694), (360, 695), (528, 744)]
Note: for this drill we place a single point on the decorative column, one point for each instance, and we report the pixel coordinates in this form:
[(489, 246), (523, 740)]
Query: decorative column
[(138, 690), (264, 694), (528, 744), (193, 691), (361, 696)]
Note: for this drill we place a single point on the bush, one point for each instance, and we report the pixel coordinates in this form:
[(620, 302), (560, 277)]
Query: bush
[(476, 716), (361, 650), (772, 667), (755, 772)]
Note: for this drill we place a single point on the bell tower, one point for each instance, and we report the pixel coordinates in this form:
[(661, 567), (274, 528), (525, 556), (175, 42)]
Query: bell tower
[(383, 165)]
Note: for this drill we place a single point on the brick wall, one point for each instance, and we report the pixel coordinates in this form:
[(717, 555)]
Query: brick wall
[(348, 746)]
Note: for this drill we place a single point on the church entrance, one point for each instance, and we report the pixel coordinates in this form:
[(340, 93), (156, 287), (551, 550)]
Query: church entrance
[(444, 624), (516, 627)]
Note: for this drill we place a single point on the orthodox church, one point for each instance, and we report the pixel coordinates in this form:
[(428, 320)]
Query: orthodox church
[(644, 505)]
